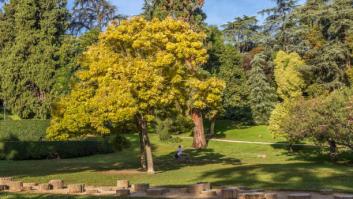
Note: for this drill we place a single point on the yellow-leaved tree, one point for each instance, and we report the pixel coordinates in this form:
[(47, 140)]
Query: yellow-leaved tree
[(135, 69), (204, 94), (287, 76), (290, 86)]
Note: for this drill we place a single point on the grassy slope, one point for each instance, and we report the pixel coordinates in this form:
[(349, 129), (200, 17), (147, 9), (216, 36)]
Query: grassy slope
[(221, 163), (228, 130)]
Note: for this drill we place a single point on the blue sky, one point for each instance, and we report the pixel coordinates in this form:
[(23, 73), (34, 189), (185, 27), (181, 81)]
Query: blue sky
[(218, 11)]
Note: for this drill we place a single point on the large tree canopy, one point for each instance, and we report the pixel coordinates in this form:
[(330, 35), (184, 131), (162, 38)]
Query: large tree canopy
[(136, 69)]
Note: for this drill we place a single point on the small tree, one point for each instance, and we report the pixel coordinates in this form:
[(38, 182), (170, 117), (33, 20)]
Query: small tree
[(326, 119), (290, 85), (262, 95), (135, 69), (204, 94), (288, 78)]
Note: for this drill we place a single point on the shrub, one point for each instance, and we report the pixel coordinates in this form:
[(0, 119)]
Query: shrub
[(23, 130), (326, 119), (26, 150)]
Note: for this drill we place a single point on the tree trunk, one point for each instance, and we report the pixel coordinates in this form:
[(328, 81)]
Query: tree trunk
[(147, 149), (199, 133), (212, 126), (333, 149), (142, 152)]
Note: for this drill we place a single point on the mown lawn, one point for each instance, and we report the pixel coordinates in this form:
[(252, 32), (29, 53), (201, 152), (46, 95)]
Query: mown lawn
[(255, 166), (226, 129)]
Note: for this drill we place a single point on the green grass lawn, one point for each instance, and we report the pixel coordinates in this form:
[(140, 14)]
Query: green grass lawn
[(228, 130), (256, 166)]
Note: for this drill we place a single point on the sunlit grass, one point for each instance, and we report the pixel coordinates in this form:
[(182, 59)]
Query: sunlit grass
[(255, 166)]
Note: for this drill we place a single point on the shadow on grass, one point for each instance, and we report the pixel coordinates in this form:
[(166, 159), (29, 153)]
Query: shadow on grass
[(126, 159), (196, 157), (221, 126), (299, 176), (313, 153)]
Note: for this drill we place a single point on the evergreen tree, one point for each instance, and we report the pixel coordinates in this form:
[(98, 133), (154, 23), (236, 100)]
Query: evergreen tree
[(187, 10), (277, 22), (32, 33), (91, 14), (242, 32), (262, 96), (322, 35)]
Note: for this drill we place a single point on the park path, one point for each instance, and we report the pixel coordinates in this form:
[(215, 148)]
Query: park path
[(250, 142)]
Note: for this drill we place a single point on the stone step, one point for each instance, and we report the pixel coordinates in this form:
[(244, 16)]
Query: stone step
[(299, 196), (271, 196), (122, 184), (139, 187), (229, 193), (76, 188), (122, 192), (209, 193), (56, 184)]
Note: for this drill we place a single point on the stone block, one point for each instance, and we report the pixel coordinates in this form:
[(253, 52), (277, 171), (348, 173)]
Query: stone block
[(56, 184), (271, 196), (76, 188), (122, 192), (44, 187), (196, 189), (139, 187), (5, 180), (206, 185), (229, 193), (122, 184), (15, 186), (209, 193)]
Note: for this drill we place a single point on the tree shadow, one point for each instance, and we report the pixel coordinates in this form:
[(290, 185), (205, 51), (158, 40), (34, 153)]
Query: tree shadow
[(196, 157), (313, 153), (222, 126), (298, 176)]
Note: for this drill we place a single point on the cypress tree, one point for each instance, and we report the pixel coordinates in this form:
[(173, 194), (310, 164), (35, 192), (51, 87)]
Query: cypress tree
[(262, 95), (29, 55)]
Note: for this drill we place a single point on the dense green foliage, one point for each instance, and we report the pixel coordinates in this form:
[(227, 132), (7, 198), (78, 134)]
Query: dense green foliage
[(26, 150), (262, 95), (321, 32), (187, 10), (24, 130), (31, 36), (325, 119)]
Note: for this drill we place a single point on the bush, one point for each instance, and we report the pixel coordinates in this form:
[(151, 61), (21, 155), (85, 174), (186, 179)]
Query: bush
[(23, 130), (27, 150), (326, 119)]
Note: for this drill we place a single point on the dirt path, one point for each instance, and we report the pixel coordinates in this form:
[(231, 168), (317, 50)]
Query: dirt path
[(250, 142)]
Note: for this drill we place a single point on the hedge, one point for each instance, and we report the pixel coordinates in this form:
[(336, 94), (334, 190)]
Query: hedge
[(23, 130), (32, 150)]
